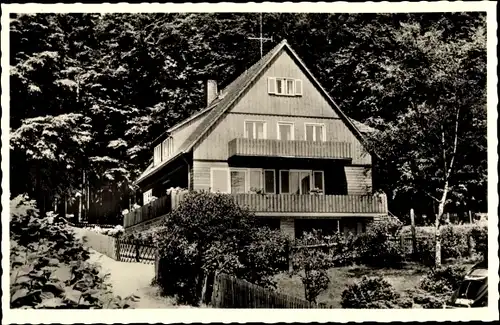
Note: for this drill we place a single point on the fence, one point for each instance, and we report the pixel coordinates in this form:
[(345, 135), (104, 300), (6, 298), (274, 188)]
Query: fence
[(230, 292), (117, 249)]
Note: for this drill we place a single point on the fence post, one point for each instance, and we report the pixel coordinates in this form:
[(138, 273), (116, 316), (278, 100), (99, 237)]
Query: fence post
[(413, 233), (118, 255), (137, 256)]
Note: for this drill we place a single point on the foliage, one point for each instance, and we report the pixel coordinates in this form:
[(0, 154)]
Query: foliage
[(479, 234), (49, 266), (375, 293), (377, 247), (437, 285), (311, 261), (117, 231), (134, 75), (207, 234), (444, 279)]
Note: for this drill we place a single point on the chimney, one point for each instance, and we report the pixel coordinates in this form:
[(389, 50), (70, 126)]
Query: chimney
[(211, 91)]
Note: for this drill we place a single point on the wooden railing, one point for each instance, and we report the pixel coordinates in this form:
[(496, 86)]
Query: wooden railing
[(272, 203), (376, 204), (158, 207), (279, 148)]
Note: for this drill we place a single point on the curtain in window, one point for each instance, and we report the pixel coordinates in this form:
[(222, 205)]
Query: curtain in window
[(238, 181)]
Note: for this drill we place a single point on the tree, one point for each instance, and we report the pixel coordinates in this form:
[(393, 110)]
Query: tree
[(437, 147)]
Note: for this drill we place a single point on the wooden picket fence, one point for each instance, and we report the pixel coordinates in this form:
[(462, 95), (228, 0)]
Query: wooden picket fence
[(117, 249), (230, 292)]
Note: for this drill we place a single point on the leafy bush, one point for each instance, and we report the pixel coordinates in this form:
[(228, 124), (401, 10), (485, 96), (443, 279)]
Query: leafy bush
[(479, 234), (311, 260), (444, 279), (454, 242), (207, 234), (378, 247), (117, 231), (49, 266), (375, 293), (436, 287)]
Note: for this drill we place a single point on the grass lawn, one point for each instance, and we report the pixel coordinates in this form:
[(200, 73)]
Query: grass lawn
[(402, 279)]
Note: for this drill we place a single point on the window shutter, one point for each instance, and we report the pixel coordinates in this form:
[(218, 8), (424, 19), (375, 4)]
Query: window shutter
[(298, 87), (271, 85)]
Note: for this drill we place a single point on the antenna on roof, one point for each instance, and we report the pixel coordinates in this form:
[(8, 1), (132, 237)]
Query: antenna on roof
[(261, 39)]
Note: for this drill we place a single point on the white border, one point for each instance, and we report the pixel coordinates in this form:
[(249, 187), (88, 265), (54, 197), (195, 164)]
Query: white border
[(219, 315)]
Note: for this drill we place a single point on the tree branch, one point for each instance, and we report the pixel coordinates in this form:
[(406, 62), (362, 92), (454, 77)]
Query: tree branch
[(455, 143)]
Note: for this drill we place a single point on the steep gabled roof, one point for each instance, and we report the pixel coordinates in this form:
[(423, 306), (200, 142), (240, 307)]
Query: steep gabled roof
[(228, 97)]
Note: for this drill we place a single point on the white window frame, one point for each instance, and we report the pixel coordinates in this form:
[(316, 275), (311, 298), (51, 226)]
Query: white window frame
[(149, 195), (247, 178), (259, 170), (292, 131), (311, 175), (212, 169), (323, 125), (264, 180), (156, 149), (285, 80), (322, 179), (254, 128)]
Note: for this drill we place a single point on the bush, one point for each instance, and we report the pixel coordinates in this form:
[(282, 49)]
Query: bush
[(454, 242), (479, 235), (49, 266), (313, 257), (444, 279), (375, 293), (207, 234), (379, 246)]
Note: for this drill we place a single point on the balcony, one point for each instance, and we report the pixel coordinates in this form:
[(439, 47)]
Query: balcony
[(295, 149), (276, 205), (314, 205)]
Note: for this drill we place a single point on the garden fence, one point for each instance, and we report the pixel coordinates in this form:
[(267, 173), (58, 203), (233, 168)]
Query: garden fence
[(230, 292), (117, 249)]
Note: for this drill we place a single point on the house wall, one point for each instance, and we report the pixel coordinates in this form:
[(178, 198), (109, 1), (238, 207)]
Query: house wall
[(257, 99), (359, 179), (215, 145), (201, 173)]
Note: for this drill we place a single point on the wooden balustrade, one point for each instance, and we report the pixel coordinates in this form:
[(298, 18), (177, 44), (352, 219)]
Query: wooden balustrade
[(376, 204), (273, 203), (279, 148)]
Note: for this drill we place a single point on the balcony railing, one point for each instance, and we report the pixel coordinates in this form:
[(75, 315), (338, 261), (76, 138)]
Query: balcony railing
[(279, 148), (268, 204), (320, 204), (157, 208)]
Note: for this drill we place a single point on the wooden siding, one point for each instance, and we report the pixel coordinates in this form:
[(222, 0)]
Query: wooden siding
[(257, 99), (214, 145), (335, 204), (359, 180), (201, 173), (280, 148)]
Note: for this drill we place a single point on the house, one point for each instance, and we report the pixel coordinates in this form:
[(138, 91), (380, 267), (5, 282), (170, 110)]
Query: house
[(277, 142)]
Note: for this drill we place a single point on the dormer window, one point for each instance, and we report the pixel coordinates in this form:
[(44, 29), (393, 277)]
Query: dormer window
[(284, 86), (157, 155), (167, 148)]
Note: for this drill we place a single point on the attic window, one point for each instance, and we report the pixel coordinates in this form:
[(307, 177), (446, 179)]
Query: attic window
[(284, 86)]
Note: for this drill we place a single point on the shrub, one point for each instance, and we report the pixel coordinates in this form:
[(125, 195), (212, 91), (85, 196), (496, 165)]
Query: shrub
[(436, 287), (49, 266), (479, 235), (378, 247), (374, 293), (444, 279), (313, 261), (454, 242), (207, 234)]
